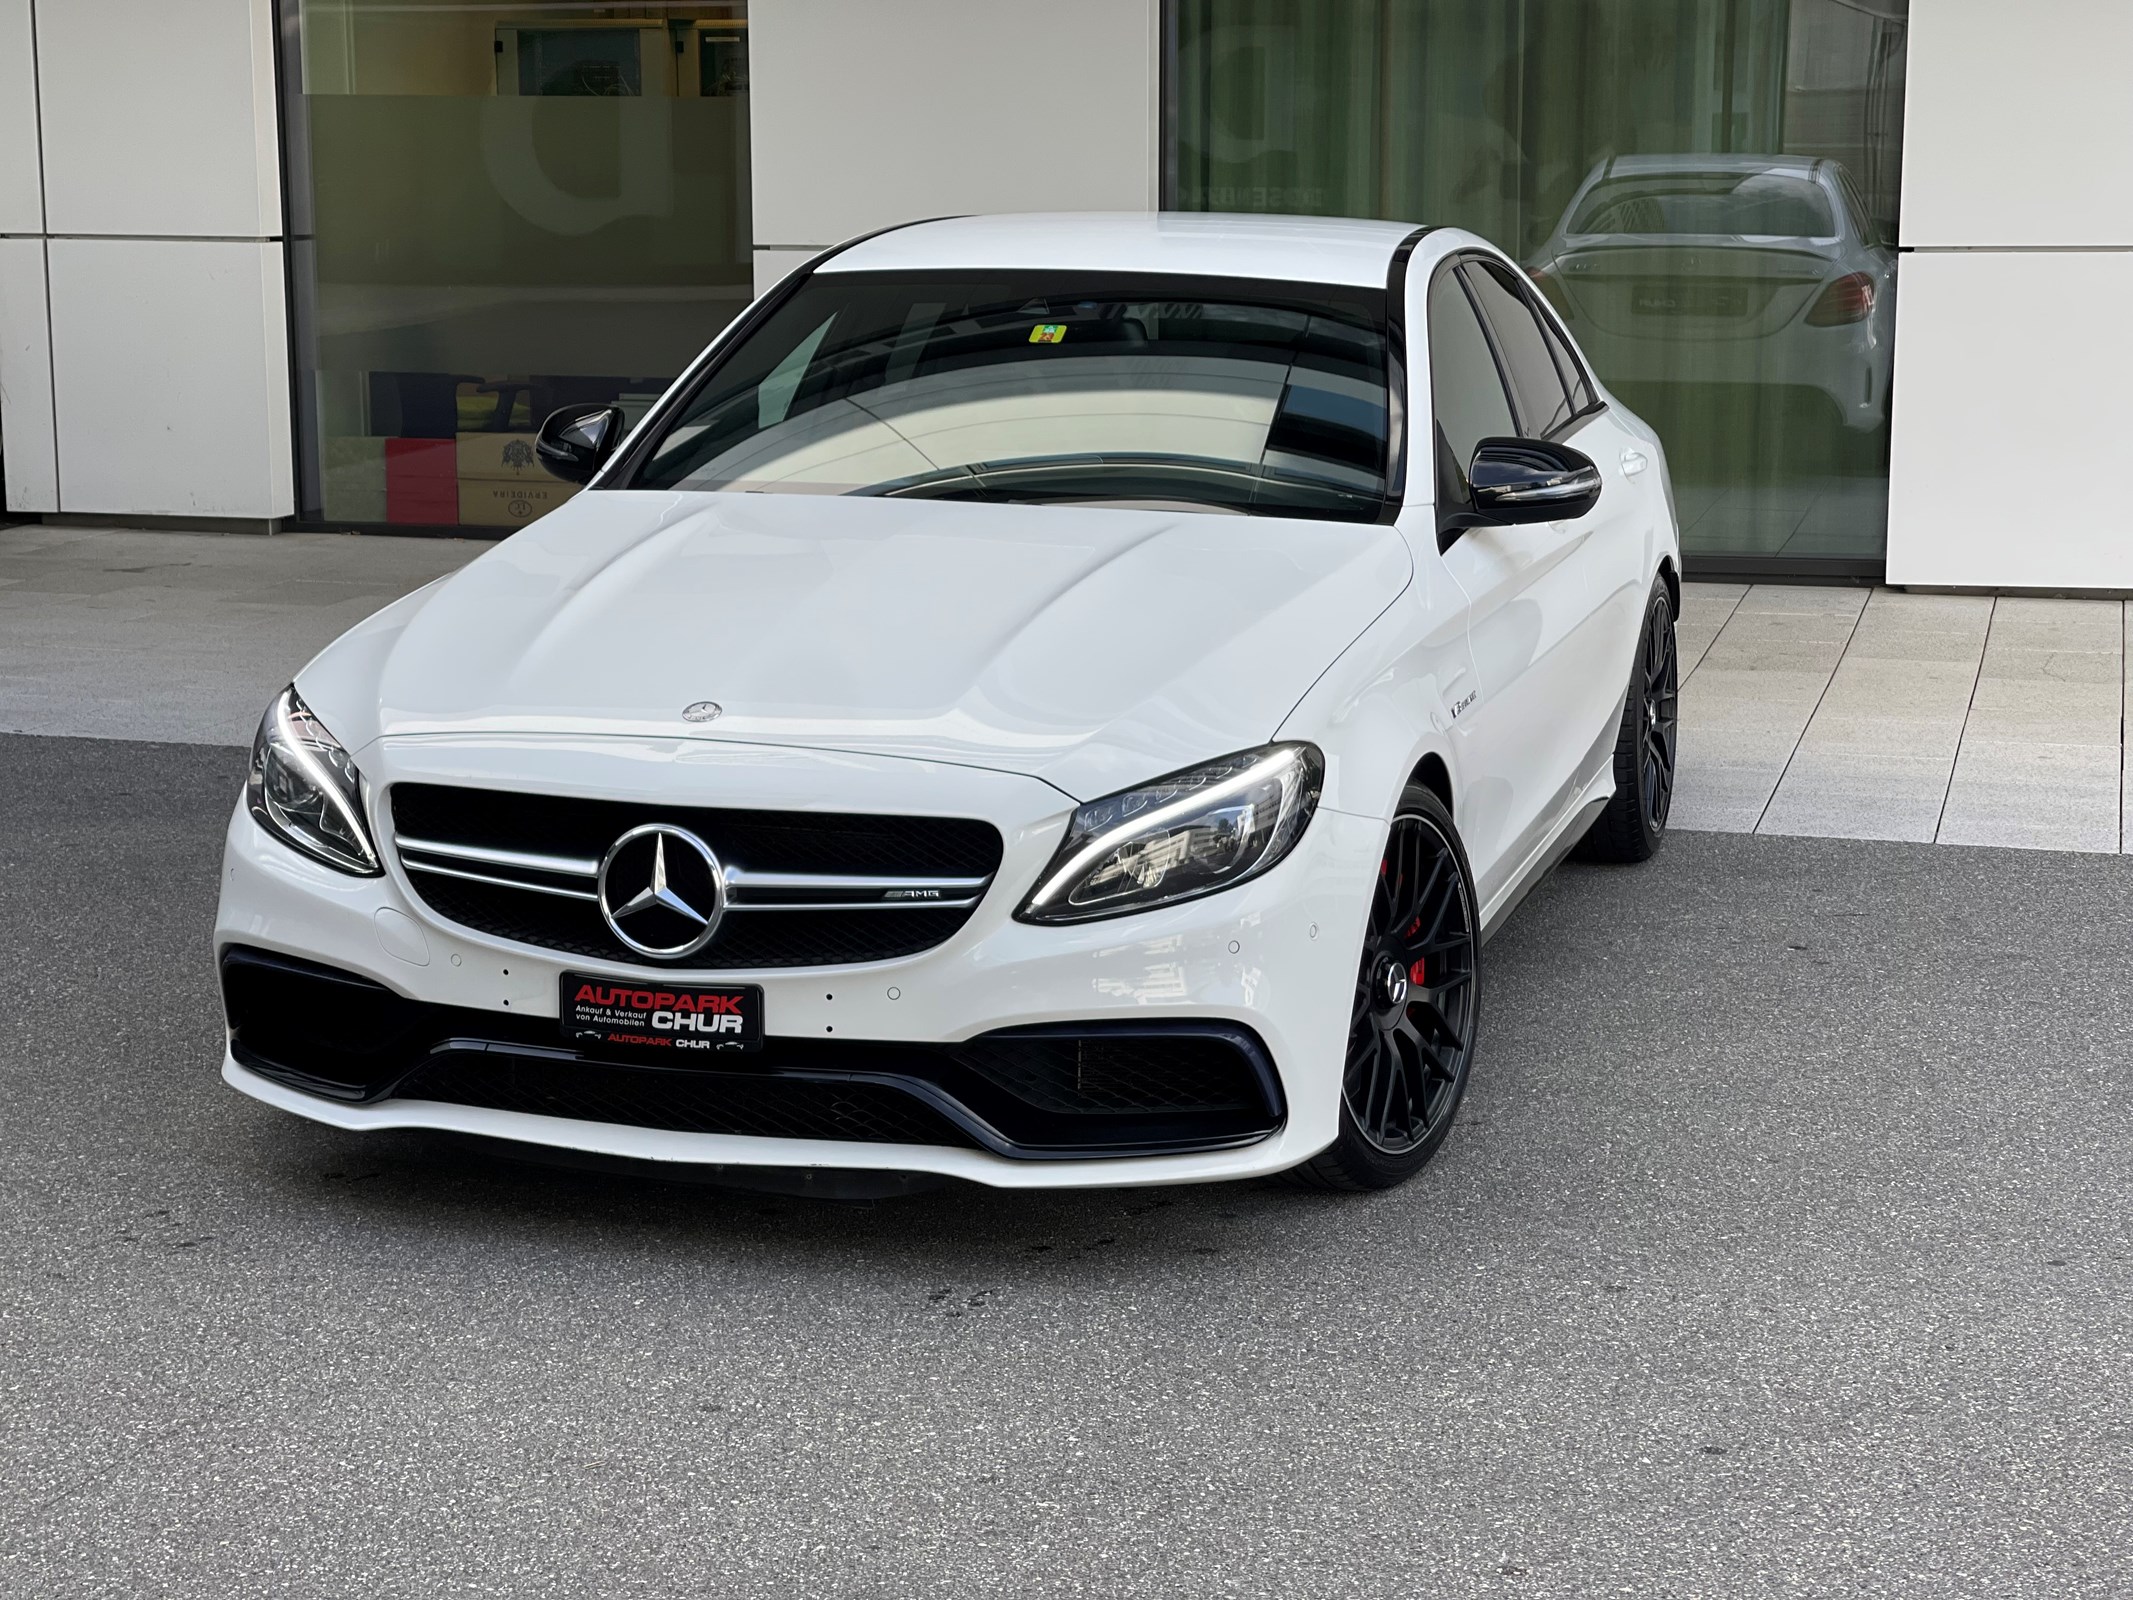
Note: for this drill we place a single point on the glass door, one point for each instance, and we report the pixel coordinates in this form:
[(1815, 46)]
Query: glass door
[(496, 210), (1707, 190)]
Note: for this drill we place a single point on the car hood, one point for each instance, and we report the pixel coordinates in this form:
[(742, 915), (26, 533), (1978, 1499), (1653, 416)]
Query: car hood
[(1091, 647)]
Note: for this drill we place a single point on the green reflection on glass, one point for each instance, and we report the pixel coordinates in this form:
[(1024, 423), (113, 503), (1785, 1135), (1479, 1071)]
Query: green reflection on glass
[(1705, 189), (513, 210)]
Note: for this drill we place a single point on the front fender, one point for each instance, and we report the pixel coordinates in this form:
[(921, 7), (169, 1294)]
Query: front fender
[(1391, 697)]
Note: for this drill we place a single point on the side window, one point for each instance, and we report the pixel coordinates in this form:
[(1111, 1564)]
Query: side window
[(1465, 387), (1543, 403), (1566, 359)]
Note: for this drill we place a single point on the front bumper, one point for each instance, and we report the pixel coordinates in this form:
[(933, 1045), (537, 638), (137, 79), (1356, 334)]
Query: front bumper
[(1271, 963)]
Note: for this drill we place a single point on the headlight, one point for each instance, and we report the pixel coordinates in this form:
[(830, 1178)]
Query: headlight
[(305, 790), (1185, 835)]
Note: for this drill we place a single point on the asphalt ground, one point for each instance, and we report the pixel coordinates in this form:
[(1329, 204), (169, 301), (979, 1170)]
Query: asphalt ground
[(1782, 1249)]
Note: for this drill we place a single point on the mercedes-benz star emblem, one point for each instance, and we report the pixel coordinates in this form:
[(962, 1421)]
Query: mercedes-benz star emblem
[(702, 711), (662, 891)]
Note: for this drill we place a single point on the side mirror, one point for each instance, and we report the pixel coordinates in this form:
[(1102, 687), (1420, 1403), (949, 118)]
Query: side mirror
[(575, 441), (1527, 480)]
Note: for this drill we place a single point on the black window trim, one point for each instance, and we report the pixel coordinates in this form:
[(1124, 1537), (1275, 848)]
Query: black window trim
[(1399, 382), (1454, 519), (1562, 346), (1538, 309), (1459, 265)]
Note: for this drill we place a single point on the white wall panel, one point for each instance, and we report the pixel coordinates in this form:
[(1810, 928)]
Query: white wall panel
[(159, 117), (2009, 423), (2018, 124), (867, 113), (171, 362), (771, 265), (27, 461), (21, 189)]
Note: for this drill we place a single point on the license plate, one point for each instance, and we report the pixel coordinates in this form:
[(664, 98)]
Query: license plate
[(677, 1022), (1690, 300)]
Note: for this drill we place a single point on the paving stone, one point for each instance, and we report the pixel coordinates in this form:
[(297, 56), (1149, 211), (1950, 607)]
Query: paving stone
[(125, 633), (2042, 759), (1744, 711)]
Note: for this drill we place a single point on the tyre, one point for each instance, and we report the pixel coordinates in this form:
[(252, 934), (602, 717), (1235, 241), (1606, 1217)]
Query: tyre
[(1634, 824), (1412, 1024)]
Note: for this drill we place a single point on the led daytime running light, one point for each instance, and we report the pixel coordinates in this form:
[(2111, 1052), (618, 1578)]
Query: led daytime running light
[(304, 789), (297, 748), (1186, 805), (1203, 830)]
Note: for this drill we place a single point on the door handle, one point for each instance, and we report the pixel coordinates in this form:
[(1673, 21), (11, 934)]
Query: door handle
[(1634, 462)]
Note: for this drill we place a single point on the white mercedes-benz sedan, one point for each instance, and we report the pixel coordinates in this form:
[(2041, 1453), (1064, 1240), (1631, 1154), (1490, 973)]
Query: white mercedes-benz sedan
[(1042, 700)]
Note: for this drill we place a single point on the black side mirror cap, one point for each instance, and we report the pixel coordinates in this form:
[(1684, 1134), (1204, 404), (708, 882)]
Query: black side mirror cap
[(1530, 480), (575, 441)]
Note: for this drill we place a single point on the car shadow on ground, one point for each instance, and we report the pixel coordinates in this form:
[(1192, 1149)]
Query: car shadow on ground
[(476, 1190)]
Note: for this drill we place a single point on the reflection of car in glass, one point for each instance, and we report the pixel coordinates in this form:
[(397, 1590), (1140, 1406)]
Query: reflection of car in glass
[(1761, 271), (1052, 701)]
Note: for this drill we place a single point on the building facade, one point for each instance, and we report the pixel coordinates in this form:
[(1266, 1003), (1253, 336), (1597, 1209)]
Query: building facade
[(326, 263)]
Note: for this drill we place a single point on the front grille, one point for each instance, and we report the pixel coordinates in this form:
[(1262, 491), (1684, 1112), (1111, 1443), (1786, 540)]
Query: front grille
[(682, 1101), (779, 939), (806, 888), (774, 841)]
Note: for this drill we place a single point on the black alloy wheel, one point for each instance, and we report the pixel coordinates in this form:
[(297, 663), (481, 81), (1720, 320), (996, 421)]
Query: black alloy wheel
[(1633, 824), (1659, 660), (1412, 1022)]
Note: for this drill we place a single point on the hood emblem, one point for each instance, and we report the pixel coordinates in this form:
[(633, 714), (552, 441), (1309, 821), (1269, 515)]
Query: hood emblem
[(662, 891), (702, 711)]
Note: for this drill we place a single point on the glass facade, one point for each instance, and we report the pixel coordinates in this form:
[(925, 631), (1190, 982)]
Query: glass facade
[(1707, 190), (496, 210)]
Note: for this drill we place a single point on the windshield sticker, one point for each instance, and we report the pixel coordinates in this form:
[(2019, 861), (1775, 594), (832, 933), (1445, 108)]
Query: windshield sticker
[(1047, 333)]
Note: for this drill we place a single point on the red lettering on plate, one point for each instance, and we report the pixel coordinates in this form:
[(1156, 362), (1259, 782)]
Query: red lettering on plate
[(658, 1000)]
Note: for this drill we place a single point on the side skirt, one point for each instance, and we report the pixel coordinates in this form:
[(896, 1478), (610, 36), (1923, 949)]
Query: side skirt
[(1543, 861), (1599, 789)]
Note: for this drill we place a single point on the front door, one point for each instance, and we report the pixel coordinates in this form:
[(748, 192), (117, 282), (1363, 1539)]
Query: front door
[(1554, 607)]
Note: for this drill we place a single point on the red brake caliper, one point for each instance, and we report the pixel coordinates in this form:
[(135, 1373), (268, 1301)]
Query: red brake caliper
[(1414, 973)]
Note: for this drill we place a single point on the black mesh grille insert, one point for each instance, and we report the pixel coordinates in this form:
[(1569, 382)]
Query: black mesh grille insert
[(761, 841), (684, 1102), (1099, 1075)]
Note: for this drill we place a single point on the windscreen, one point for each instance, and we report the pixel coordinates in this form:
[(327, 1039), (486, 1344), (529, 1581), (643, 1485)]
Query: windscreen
[(1026, 388), (1752, 204)]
